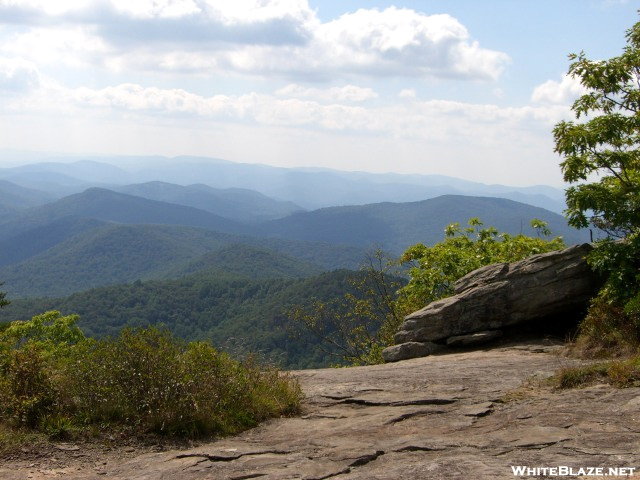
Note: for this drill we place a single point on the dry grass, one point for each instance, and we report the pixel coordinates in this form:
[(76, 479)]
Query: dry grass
[(619, 373)]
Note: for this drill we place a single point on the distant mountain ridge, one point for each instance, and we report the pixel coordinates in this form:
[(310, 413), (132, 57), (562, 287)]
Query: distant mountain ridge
[(100, 237), (395, 226), (247, 206), (110, 206), (181, 212), (19, 197), (308, 187)]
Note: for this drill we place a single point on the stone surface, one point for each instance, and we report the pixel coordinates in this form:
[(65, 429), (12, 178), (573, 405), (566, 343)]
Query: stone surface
[(473, 338), (410, 350), (505, 294), (461, 415)]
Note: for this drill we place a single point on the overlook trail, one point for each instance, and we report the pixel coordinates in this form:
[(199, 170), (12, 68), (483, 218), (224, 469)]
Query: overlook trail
[(461, 415)]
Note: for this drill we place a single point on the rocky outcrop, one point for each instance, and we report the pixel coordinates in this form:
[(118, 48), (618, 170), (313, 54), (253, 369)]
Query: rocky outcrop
[(500, 295), (443, 417)]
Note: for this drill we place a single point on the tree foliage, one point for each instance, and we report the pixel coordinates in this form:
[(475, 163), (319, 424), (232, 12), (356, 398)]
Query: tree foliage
[(354, 329), (604, 144), (3, 298), (434, 270), (601, 157)]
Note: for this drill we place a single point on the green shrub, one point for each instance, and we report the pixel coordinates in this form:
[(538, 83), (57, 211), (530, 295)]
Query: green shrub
[(147, 378), (32, 356), (54, 379), (26, 390), (435, 269), (612, 325)]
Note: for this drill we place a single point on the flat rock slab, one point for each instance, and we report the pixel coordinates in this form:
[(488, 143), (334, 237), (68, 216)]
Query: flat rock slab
[(440, 417), (408, 350)]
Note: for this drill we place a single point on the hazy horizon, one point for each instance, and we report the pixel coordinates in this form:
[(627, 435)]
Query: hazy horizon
[(127, 161), (465, 89)]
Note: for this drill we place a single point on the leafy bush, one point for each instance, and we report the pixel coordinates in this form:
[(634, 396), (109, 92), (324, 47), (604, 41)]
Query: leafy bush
[(606, 331), (434, 270), (54, 379), (32, 353)]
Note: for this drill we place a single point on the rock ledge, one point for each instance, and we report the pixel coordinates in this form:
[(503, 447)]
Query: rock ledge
[(544, 286)]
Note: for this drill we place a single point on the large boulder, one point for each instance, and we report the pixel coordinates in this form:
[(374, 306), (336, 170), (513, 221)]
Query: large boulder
[(504, 294)]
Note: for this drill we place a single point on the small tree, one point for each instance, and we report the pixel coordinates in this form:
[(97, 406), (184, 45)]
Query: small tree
[(356, 327), (3, 300), (601, 156), (601, 153)]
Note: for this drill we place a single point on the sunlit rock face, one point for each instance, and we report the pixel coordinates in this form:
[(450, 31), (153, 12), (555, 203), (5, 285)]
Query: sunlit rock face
[(542, 287)]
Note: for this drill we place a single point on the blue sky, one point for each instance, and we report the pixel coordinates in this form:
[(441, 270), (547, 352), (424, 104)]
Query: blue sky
[(464, 88)]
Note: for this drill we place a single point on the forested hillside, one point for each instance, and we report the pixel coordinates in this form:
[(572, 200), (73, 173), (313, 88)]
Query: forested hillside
[(110, 206), (236, 313), (111, 254), (395, 226), (101, 237), (26, 243)]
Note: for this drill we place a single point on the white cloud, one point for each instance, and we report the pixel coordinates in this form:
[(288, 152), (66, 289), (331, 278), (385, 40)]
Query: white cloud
[(157, 8), (407, 93), (248, 108), (39, 8), (393, 42), (347, 93), (236, 12), (297, 108), (406, 42), (72, 46), (255, 37), (563, 92), (459, 138), (18, 76), (241, 11), (229, 13)]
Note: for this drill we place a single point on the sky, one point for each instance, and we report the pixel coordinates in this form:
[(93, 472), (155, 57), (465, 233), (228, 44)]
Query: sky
[(465, 88)]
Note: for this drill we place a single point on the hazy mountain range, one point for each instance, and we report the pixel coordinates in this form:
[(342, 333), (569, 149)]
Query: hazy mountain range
[(306, 187), (65, 227), (219, 250)]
